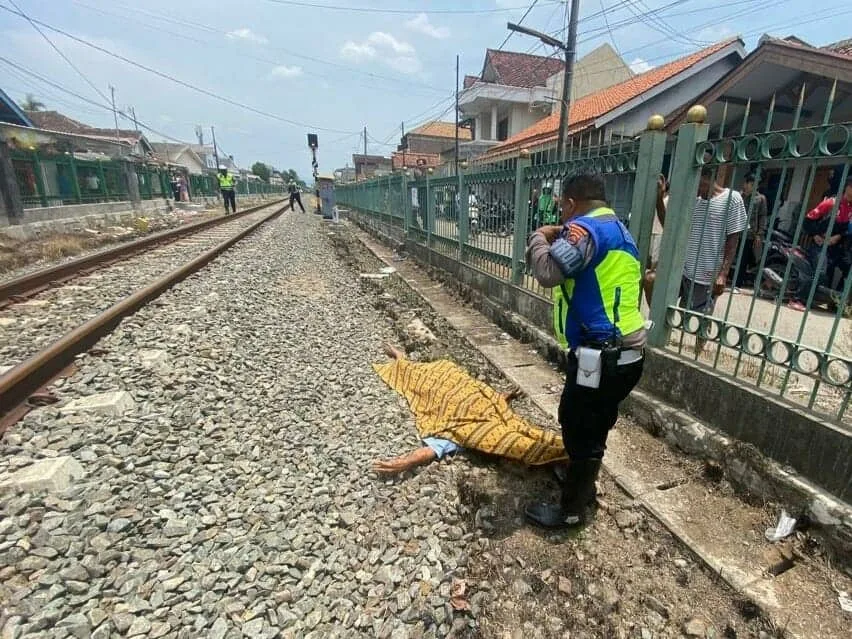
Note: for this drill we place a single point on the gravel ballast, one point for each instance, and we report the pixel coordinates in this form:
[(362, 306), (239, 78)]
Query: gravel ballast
[(29, 326), (234, 498)]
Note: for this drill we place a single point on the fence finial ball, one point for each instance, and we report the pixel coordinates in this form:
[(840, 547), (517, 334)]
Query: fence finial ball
[(656, 122), (697, 114), (525, 153)]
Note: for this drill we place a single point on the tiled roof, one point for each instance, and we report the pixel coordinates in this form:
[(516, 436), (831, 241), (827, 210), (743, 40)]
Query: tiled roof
[(593, 106), (522, 69), (55, 121), (411, 159), (441, 130), (844, 47), (469, 80)]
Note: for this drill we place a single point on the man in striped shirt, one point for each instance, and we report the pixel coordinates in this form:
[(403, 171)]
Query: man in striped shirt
[(718, 220)]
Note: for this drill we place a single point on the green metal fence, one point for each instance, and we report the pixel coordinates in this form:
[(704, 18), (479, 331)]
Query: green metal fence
[(62, 179), (756, 332)]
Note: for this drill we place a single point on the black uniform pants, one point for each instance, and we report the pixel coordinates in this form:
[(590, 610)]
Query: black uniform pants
[(295, 197), (230, 196), (587, 414)]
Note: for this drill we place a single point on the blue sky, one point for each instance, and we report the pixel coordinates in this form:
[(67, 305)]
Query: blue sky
[(334, 71)]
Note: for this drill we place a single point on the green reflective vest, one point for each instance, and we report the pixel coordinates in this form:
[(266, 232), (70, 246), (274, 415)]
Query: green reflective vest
[(603, 299), (225, 181), (547, 209)]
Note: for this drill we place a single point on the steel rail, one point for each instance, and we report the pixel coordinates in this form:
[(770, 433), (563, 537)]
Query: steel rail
[(36, 281), (19, 383)]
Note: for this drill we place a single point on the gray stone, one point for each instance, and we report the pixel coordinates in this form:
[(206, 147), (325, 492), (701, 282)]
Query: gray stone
[(698, 628), (120, 524), (658, 606), (113, 404), (218, 629), (140, 626), (74, 572), (55, 474)]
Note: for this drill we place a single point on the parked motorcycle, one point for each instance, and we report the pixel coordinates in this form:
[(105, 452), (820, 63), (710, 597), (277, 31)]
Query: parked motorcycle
[(498, 218), (800, 279)]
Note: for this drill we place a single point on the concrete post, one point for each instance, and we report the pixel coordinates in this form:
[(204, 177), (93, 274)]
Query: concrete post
[(684, 180), (519, 243), (406, 203), (11, 203), (128, 172), (464, 214), (493, 122), (652, 148)]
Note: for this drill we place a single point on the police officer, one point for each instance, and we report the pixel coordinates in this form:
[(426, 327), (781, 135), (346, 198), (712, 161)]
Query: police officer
[(226, 186), (592, 264)]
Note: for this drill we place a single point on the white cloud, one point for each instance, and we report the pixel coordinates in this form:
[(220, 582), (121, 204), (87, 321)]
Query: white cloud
[(283, 71), (640, 66), (421, 24), (384, 47), (244, 33), (716, 33)]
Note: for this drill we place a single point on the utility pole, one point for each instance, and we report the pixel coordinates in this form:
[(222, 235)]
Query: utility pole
[(403, 142), (570, 54), (215, 151), (114, 114), (199, 133), (457, 116), (569, 48), (133, 117)]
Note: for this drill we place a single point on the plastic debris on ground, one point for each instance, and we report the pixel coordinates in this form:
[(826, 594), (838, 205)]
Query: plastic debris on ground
[(782, 528)]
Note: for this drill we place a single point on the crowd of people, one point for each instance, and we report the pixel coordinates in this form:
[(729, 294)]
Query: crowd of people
[(730, 238)]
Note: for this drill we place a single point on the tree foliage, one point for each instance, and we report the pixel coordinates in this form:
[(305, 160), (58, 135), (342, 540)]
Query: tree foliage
[(31, 103), (261, 170)]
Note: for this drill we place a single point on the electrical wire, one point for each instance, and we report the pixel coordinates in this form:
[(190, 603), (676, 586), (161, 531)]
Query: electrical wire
[(107, 107), (178, 81), (62, 55), (213, 30), (521, 21), (314, 5)]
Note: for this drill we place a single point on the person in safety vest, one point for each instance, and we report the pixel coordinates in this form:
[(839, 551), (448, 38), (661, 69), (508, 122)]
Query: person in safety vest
[(592, 264), (226, 186), (546, 210)]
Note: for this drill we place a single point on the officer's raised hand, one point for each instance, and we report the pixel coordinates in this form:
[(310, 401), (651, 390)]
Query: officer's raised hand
[(550, 232)]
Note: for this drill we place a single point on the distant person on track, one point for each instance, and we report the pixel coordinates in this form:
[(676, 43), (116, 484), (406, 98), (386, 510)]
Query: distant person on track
[(295, 197), (226, 187)]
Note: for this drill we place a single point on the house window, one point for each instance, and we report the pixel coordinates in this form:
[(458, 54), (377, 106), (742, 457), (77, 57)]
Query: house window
[(503, 129)]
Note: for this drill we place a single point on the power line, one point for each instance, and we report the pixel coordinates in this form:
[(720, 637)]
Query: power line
[(182, 83), (209, 29), (62, 55), (521, 21), (106, 107), (314, 5)]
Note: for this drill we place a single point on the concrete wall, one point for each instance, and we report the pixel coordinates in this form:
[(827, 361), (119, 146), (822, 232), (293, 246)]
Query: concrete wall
[(599, 69), (819, 451), (521, 118)]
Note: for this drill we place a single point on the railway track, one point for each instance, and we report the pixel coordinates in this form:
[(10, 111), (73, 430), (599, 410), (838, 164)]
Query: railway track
[(51, 316)]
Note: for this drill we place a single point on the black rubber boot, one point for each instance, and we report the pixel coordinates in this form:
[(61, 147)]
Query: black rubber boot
[(578, 494)]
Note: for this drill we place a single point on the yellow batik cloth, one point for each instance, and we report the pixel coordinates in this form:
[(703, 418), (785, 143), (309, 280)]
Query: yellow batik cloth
[(450, 404)]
